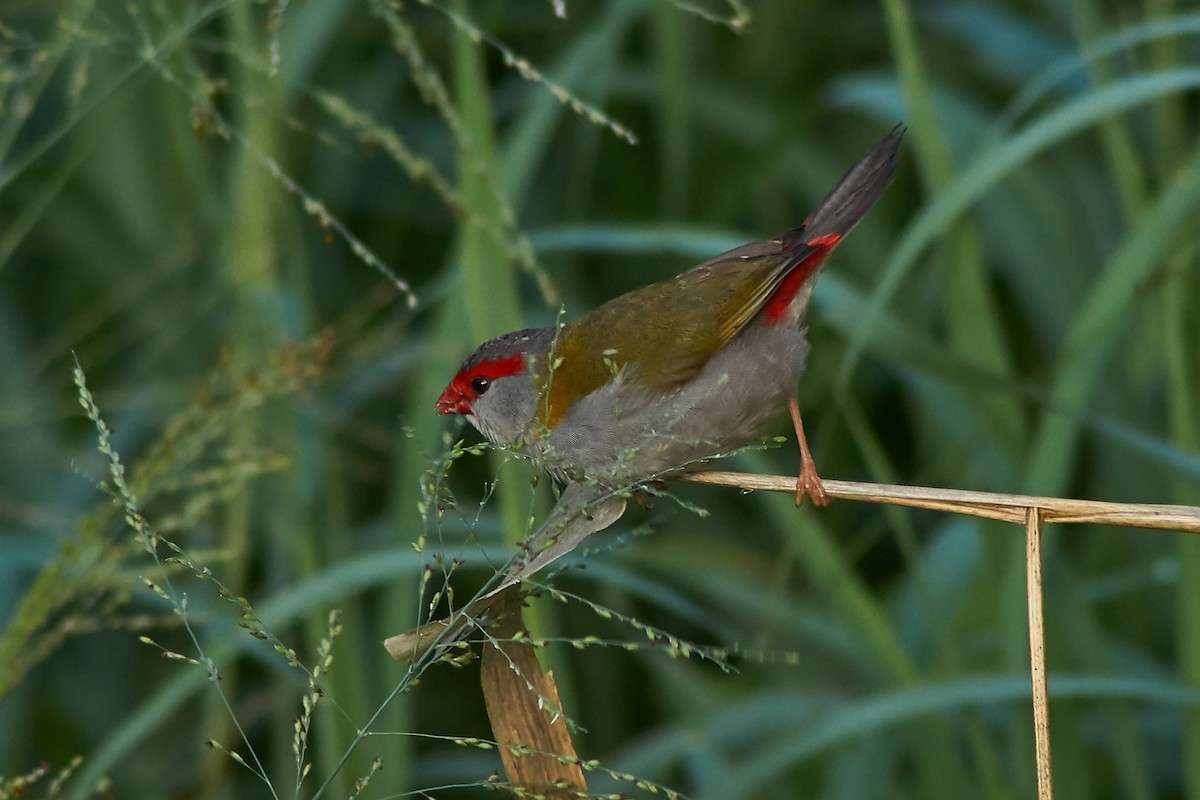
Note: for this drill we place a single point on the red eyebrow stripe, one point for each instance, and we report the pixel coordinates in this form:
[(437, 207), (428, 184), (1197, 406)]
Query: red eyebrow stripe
[(498, 367), (491, 369)]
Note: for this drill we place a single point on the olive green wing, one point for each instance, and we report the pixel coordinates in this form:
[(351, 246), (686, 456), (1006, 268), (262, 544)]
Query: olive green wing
[(743, 279), (663, 334)]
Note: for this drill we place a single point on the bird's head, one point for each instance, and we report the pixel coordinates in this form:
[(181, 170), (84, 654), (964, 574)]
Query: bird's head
[(496, 386)]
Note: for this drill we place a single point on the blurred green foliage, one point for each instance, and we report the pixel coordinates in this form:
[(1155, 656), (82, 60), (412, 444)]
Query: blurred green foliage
[(191, 193)]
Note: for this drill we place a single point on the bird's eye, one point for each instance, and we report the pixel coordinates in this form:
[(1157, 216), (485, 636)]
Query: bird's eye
[(480, 384)]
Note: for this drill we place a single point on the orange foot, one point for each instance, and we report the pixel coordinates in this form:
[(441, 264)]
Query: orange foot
[(808, 482)]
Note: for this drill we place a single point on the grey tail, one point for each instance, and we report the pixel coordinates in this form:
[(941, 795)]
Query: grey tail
[(854, 194)]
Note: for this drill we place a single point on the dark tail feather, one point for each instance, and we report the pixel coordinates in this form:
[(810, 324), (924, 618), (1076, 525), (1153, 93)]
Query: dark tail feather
[(808, 246), (856, 192)]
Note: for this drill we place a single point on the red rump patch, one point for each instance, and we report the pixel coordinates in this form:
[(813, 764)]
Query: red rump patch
[(457, 397), (808, 257)]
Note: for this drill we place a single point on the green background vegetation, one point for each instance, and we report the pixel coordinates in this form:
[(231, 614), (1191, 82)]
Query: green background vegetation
[(189, 191)]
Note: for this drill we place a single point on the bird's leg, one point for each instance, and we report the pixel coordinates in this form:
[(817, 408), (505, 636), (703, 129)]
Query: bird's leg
[(808, 482)]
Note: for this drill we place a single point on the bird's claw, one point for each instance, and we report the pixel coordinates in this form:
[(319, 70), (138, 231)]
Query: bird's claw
[(808, 484)]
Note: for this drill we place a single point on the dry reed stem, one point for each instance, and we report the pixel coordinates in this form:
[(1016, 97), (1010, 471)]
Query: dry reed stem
[(1021, 509), (1005, 507), (1037, 651)]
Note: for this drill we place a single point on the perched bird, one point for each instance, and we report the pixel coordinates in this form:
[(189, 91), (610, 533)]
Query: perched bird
[(660, 380), (651, 384)]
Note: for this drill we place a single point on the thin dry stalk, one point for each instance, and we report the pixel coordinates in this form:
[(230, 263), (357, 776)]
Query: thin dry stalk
[(1005, 507), (1021, 509), (1037, 651)]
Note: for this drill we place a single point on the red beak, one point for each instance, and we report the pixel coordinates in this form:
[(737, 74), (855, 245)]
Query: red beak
[(452, 401)]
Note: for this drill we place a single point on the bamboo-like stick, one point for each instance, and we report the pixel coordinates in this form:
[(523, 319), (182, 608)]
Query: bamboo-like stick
[(1005, 507), (1020, 509), (1037, 651)]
